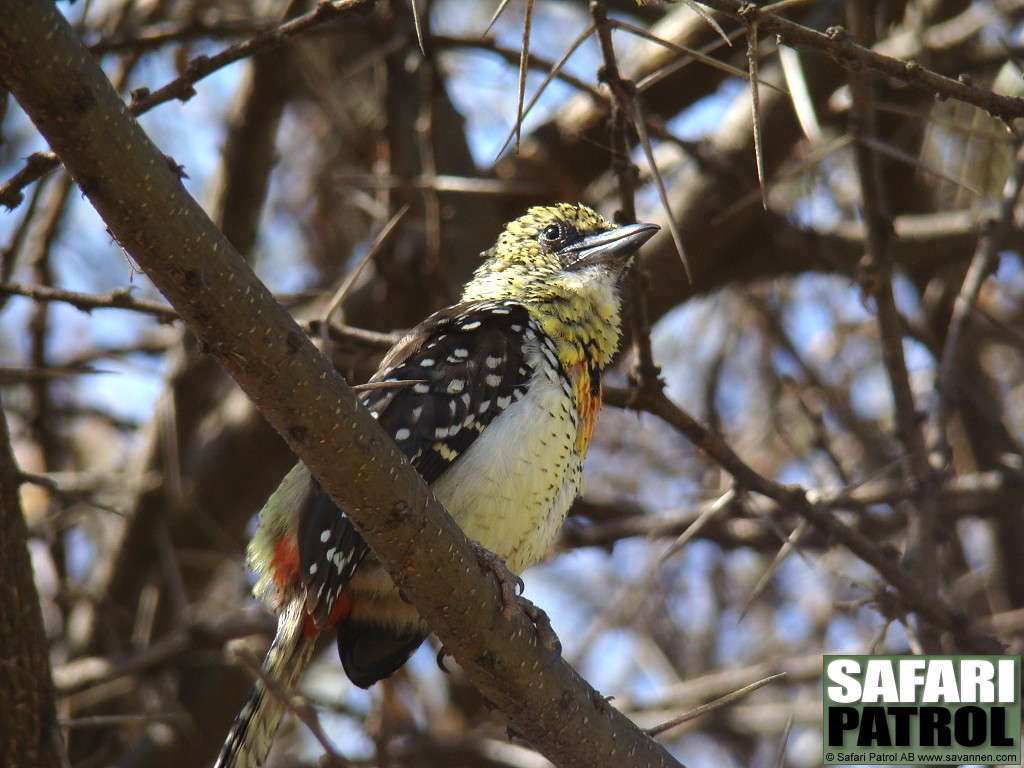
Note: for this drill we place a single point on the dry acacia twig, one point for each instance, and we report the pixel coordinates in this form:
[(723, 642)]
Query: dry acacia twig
[(182, 87)]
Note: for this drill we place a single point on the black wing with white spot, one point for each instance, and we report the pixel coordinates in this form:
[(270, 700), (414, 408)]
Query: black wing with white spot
[(465, 366), (447, 380), (330, 550)]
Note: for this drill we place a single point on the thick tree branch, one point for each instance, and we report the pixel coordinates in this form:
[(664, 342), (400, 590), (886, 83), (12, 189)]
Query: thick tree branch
[(140, 197), (28, 729)]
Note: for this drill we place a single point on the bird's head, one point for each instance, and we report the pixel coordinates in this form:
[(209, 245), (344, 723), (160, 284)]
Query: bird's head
[(564, 263)]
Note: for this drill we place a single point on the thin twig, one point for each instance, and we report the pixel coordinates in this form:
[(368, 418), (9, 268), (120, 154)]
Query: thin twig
[(87, 302), (524, 59), (554, 71), (494, 17), (690, 53), (640, 124), (99, 721), (713, 705), (350, 280), (755, 105)]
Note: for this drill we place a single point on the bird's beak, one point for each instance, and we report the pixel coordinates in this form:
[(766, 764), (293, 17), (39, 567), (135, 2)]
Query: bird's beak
[(614, 247)]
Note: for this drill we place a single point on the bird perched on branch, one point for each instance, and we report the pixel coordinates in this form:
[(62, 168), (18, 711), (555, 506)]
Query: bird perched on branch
[(493, 401)]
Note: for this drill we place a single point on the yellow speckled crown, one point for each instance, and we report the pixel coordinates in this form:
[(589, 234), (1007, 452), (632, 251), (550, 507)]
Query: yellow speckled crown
[(577, 308)]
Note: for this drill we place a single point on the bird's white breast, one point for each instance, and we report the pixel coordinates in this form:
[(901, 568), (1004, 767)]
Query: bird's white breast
[(511, 490)]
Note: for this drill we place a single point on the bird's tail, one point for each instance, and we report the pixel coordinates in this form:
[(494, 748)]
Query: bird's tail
[(252, 733)]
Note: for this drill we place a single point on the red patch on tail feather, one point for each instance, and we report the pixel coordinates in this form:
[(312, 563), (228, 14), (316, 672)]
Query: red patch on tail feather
[(284, 570), (341, 611)]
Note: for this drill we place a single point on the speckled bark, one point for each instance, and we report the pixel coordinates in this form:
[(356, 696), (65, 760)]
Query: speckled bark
[(28, 733)]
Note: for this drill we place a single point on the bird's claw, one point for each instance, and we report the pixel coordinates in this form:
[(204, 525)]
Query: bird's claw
[(545, 633), (442, 654), (512, 587)]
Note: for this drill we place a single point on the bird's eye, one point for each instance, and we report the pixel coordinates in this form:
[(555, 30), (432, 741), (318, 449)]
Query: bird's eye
[(551, 234)]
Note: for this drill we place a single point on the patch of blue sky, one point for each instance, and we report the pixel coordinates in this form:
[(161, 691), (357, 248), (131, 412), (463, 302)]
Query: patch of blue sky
[(21, 139), (685, 342), (635, 457), (803, 749), (13, 320), (704, 117), (737, 396), (347, 734), (72, 330), (699, 121), (977, 541), (784, 364), (921, 367), (1010, 277), (896, 639), (85, 258), (796, 472), (81, 553), (279, 261), (818, 208), (870, 394), (908, 300), (694, 601), (696, 748), (1000, 32), (805, 581), (689, 340), (280, 258), (128, 388), (670, 486), (189, 132), (738, 639), (810, 317), (483, 85), (326, 682), (792, 625), (614, 663), (556, 587), (819, 304), (845, 634), (1010, 269)]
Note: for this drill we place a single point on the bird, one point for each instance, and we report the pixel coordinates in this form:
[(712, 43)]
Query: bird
[(493, 401)]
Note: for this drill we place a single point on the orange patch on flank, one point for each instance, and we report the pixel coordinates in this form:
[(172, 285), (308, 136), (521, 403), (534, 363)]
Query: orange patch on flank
[(284, 566), (587, 406)]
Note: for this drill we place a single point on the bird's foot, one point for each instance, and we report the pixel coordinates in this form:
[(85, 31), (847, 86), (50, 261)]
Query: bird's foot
[(545, 633), (511, 585), (511, 597)]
